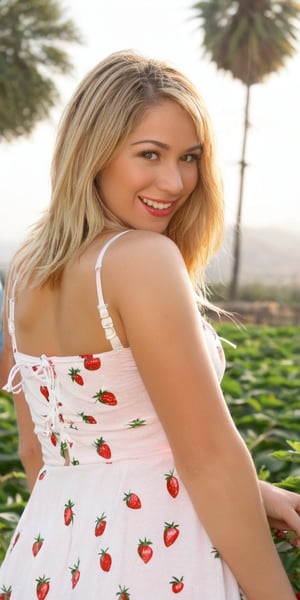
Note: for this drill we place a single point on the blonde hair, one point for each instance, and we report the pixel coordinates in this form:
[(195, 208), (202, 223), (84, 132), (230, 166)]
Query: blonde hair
[(104, 110)]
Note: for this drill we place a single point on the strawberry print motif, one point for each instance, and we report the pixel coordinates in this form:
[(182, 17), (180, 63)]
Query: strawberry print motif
[(91, 363), (177, 585), (75, 376), (5, 593), (42, 474), (123, 594), (37, 544), (106, 397), (17, 537), (172, 484), (132, 500), (42, 587), (100, 525), (54, 438), (88, 419), (144, 550), (137, 423), (64, 448), (75, 574), (171, 533), (44, 390), (105, 560), (102, 448), (216, 553), (69, 513)]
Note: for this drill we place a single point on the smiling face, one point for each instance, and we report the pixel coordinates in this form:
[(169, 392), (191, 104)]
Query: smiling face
[(155, 171)]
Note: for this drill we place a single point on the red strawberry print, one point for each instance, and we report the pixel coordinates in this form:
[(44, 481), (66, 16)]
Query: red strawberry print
[(171, 533), (44, 390), (42, 588), (177, 585), (5, 593), (37, 544), (15, 540), (102, 448), (91, 363), (54, 438), (105, 560), (75, 574), (69, 513), (123, 594), (100, 525), (75, 376), (42, 474), (132, 500), (144, 550), (88, 418), (106, 397), (172, 484)]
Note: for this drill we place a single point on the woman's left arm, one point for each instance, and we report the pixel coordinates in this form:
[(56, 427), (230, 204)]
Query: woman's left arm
[(282, 508)]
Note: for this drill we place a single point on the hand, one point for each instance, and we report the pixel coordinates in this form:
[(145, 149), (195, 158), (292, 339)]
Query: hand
[(283, 510)]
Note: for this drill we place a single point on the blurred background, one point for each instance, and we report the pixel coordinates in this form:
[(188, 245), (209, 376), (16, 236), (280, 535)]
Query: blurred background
[(244, 57)]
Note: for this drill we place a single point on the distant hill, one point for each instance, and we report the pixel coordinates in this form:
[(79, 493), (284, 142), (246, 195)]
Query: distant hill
[(268, 256)]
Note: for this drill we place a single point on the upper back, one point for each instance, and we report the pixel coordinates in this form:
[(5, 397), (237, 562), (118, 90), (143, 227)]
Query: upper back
[(65, 321)]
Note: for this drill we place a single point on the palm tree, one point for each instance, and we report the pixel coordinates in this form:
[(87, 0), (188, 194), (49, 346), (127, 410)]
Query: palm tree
[(33, 34), (250, 39)]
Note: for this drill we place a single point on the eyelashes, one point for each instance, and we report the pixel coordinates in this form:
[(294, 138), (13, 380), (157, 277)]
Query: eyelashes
[(153, 155)]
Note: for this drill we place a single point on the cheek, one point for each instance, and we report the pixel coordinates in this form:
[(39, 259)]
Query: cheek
[(192, 179)]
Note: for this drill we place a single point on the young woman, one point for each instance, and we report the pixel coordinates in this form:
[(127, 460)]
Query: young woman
[(142, 485)]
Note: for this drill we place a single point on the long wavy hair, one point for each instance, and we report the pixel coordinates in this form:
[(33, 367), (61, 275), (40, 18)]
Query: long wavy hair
[(108, 104)]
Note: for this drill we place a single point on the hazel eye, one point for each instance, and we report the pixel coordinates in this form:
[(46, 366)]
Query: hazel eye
[(190, 158), (149, 155)]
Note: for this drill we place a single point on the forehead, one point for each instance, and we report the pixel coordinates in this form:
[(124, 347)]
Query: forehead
[(166, 118)]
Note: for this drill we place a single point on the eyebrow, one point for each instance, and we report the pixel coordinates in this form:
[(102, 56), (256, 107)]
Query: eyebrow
[(166, 146)]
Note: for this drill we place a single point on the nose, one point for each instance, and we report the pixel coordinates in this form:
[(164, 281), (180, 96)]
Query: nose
[(170, 179)]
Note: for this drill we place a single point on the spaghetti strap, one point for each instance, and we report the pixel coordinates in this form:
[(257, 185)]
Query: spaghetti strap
[(105, 317), (11, 316)]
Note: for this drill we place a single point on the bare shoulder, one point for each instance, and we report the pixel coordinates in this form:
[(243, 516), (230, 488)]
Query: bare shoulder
[(142, 253), (146, 268)]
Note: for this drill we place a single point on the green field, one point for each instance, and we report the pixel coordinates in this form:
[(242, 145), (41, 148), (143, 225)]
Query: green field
[(262, 389)]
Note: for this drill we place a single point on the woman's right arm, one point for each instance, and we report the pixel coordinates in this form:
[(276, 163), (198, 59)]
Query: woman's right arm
[(29, 446), (156, 304)]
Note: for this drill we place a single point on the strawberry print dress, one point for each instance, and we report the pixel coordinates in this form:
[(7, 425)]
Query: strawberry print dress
[(108, 518)]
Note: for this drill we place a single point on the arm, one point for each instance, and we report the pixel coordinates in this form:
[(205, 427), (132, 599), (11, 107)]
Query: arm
[(282, 508), (29, 446), (156, 303)]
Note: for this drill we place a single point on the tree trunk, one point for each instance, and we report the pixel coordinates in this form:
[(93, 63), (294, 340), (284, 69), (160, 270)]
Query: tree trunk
[(233, 287)]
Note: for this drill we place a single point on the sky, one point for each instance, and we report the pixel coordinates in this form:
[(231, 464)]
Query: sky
[(166, 29)]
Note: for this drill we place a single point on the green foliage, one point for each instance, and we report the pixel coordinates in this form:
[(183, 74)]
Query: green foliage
[(33, 34), (250, 39), (13, 487), (261, 386)]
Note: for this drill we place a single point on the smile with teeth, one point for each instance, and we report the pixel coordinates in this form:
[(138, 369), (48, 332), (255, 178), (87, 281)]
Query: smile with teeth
[(156, 205)]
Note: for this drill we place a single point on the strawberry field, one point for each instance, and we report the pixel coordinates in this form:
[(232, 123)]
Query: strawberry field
[(262, 389)]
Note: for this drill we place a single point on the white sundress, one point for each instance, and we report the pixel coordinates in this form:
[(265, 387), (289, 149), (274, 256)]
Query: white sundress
[(116, 523)]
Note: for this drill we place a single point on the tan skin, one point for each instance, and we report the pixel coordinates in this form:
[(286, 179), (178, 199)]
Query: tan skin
[(142, 272)]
